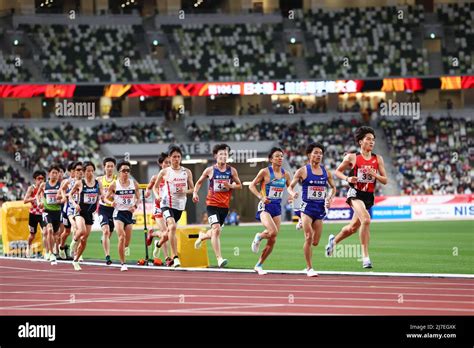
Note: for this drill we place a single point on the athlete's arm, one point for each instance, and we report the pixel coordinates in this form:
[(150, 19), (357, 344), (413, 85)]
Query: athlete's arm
[(137, 196), (28, 196), (62, 191), (293, 194), (296, 179), (101, 190), (77, 187), (332, 184), (150, 186), (347, 163), (156, 187), (40, 195), (205, 174), (237, 184), (383, 175), (258, 181), (110, 193), (190, 182)]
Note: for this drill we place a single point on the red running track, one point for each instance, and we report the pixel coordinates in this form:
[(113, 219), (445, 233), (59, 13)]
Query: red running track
[(37, 288)]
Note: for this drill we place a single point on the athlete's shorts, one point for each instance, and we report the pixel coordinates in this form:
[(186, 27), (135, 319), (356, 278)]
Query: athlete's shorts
[(216, 215), (106, 216), (52, 217), (171, 212), (157, 212), (314, 210), (366, 197), (87, 213), (273, 208), (33, 221), (125, 216)]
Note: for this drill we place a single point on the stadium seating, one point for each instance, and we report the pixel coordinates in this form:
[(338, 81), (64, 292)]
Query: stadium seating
[(207, 52), (12, 185), (433, 156), (92, 54), (459, 19), (375, 40), (9, 72), (40, 147)]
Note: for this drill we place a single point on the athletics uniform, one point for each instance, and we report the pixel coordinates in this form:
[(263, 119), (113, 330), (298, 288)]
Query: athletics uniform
[(314, 194), (52, 209), (68, 208), (157, 212), (35, 217), (124, 199), (218, 197), (106, 211), (365, 187), (88, 201), (174, 197), (274, 192)]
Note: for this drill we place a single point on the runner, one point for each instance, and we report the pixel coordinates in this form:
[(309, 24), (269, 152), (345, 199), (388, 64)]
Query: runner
[(36, 213), (366, 169), (164, 162), (314, 178), (106, 211), (89, 192), (126, 197), (47, 199), (66, 185), (222, 180), (178, 183), (273, 181), (71, 211)]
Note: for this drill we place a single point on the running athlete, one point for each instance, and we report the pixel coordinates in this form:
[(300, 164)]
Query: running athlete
[(366, 168), (273, 181), (314, 178), (47, 198), (57, 236), (89, 192), (106, 211), (66, 185), (164, 162), (222, 180), (71, 210), (126, 197), (36, 213), (178, 183)]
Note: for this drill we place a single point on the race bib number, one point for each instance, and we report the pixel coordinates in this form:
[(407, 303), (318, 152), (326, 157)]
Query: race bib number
[(363, 176), (90, 198), (179, 187), (166, 214), (127, 200), (213, 219), (261, 206), (219, 185), (51, 199), (351, 193), (316, 193), (275, 192)]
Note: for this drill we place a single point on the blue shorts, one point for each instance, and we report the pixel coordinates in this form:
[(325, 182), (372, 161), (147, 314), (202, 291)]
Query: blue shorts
[(125, 216), (274, 209), (314, 210), (106, 217)]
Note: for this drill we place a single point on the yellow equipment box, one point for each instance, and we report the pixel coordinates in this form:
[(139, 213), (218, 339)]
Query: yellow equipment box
[(188, 256)]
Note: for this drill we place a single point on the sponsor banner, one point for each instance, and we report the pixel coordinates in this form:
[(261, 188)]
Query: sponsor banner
[(391, 212), (339, 214), (423, 199), (443, 211)]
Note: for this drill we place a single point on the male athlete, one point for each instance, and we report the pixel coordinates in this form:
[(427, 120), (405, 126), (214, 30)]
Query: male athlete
[(36, 213), (366, 169)]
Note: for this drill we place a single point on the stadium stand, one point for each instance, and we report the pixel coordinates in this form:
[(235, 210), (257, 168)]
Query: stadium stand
[(208, 52), (433, 156), (12, 185), (375, 40), (459, 18), (93, 54), (10, 72)]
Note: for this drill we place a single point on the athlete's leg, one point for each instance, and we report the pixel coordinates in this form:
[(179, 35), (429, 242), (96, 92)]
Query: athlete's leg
[(348, 230), (272, 225), (172, 226), (80, 233), (128, 235), (106, 239), (121, 239), (359, 209), (307, 222)]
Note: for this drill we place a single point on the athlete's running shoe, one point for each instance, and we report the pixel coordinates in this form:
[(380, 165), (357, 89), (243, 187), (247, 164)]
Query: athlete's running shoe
[(76, 265), (256, 243), (108, 260), (124, 268), (176, 262), (259, 270), (222, 262), (330, 245), (311, 273)]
